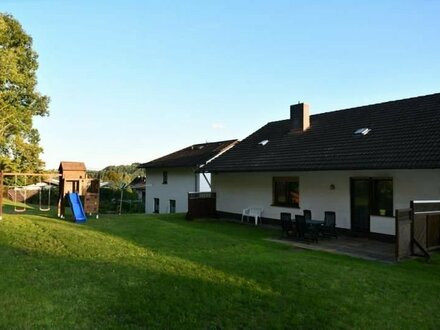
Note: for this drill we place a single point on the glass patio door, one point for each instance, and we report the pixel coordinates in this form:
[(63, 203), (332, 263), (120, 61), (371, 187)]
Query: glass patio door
[(360, 205)]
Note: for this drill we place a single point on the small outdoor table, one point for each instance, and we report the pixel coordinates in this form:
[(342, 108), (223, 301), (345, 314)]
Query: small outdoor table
[(314, 223), (315, 226)]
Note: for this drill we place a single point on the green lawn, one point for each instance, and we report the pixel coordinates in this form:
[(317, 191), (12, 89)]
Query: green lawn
[(164, 272)]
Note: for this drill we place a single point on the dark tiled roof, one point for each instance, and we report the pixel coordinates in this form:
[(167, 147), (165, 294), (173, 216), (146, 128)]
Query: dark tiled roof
[(405, 134), (192, 156), (138, 182)]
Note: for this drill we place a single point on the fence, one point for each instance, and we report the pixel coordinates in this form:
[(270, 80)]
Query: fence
[(418, 229), (201, 205), (403, 233)]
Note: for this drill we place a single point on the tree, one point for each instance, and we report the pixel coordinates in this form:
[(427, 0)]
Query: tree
[(19, 99), (118, 175)]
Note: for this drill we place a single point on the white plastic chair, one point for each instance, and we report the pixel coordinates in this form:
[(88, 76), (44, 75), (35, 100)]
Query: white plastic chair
[(252, 212)]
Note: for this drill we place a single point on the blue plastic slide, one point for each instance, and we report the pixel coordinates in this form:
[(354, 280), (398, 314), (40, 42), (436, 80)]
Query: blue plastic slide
[(77, 209)]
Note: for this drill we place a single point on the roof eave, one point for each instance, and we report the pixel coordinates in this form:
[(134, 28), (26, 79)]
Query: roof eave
[(253, 170)]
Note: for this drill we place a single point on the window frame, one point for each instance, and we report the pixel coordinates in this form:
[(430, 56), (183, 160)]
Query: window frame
[(374, 207), (156, 205), (172, 209), (165, 177), (285, 180)]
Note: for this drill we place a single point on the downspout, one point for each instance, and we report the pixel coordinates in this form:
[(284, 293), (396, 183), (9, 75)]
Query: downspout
[(145, 201), (196, 186)]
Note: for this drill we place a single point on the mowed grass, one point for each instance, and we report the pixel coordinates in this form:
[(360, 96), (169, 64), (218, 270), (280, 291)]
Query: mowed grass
[(164, 272)]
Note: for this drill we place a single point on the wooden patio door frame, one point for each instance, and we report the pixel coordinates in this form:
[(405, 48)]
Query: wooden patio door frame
[(352, 179)]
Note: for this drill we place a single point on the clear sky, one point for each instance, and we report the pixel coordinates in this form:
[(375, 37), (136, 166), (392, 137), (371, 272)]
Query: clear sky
[(130, 80)]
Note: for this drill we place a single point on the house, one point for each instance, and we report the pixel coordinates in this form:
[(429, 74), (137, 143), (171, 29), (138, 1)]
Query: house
[(171, 177), (138, 186), (362, 163)]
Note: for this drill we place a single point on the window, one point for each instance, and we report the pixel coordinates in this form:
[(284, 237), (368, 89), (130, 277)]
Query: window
[(164, 177), (156, 205), (285, 191), (382, 197), (362, 131), (172, 206)]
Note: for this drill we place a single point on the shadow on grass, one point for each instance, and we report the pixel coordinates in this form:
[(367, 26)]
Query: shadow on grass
[(167, 273), (59, 292)]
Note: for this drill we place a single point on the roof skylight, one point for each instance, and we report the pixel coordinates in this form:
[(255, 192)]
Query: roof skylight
[(197, 146), (362, 131), (263, 143)]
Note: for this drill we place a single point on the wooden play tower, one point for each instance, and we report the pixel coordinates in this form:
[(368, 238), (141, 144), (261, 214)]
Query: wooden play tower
[(73, 179)]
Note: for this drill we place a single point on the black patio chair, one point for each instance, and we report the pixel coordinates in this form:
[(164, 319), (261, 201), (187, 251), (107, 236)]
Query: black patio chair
[(307, 214), (329, 227), (287, 229), (305, 232)]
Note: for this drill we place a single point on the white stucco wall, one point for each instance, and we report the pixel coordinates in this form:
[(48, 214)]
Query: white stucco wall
[(180, 182), (204, 185), (236, 191)]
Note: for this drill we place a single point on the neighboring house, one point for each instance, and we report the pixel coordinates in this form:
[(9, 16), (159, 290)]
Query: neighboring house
[(363, 163), (170, 178), (138, 186), (104, 184), (51, 181)]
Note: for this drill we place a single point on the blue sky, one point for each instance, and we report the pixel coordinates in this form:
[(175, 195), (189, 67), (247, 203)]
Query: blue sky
[(130, 81)]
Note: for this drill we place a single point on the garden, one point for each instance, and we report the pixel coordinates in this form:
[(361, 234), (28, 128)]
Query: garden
[(160, 271)]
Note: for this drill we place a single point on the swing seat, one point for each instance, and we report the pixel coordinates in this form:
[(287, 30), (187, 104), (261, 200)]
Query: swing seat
[(41, 208), (17, 208)]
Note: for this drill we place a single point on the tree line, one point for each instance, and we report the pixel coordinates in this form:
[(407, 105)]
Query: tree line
[(118, 174)]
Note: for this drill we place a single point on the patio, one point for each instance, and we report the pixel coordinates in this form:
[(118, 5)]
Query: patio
[(358, 247)]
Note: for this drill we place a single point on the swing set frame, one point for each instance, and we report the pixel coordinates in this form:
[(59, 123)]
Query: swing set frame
[(20, 187)]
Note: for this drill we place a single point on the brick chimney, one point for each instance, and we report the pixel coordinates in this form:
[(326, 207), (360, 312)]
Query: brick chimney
[(299, 117)]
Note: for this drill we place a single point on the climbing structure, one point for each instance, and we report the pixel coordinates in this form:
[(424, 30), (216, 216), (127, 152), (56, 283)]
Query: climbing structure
[(73, 180)]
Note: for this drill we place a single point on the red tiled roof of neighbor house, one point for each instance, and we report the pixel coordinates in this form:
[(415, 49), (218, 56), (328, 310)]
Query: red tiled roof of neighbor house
[(403, 134), (193, 156)]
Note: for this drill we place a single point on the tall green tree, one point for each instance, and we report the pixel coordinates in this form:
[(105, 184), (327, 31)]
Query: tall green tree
[(19, 100)]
